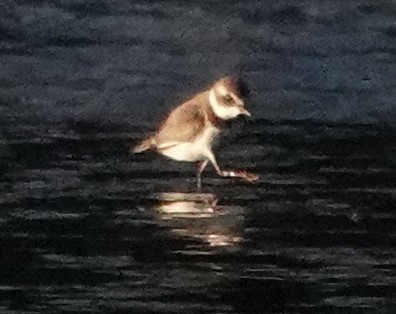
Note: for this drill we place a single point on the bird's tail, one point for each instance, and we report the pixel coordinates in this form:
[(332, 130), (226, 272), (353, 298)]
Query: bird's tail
[(143, 145)]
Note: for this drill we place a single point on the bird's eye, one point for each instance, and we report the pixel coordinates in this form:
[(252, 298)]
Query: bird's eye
[(228, 99)]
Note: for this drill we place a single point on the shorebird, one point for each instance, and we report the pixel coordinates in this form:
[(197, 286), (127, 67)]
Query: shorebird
[(190, 130)]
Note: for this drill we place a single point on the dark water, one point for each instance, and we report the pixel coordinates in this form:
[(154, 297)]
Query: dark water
[(131, 60), (85, 227)]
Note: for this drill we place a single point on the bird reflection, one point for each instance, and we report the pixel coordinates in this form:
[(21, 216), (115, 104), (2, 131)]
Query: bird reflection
[(199, 216)]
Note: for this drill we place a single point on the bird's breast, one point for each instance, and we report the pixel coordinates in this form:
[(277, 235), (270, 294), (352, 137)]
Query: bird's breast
[(194, 150), (208, 136)]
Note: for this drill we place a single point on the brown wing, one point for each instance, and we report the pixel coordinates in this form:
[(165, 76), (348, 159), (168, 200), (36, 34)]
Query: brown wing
[(184, 124)]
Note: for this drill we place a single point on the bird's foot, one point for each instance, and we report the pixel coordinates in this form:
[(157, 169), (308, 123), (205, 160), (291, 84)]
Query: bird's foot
[(247, 176), (244, 175)]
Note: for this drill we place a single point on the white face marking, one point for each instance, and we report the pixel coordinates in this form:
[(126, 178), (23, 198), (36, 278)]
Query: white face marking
[(223, 112), (224, 92)]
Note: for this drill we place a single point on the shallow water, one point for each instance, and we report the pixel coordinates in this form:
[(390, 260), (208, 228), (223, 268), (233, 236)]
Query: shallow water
[(86, 227)]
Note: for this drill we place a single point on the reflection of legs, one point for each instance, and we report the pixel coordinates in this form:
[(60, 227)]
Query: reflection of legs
[(200, 168)]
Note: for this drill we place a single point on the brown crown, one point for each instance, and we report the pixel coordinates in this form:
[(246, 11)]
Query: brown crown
[(235, 85)]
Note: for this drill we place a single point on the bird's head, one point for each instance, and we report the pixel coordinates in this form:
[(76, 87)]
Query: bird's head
[(227, 97)]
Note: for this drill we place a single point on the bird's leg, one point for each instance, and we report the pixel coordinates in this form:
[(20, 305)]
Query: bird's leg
[(251, 177), (247, 176), (200, 167)]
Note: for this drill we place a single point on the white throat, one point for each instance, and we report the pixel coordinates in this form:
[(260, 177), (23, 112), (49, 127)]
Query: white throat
[(220, 110)]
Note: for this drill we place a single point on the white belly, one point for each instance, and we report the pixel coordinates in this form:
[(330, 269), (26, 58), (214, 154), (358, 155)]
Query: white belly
[(192, 151)]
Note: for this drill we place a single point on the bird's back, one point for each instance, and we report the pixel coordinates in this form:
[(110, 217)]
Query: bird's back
[(185, 123)]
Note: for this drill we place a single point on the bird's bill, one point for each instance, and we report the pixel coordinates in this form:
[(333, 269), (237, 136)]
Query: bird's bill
[(244, 112)]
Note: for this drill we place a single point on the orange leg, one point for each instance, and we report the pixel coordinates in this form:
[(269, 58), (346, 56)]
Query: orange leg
[(247, 176)]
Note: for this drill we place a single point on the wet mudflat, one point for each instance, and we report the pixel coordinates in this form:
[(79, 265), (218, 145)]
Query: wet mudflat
[(86, 227)]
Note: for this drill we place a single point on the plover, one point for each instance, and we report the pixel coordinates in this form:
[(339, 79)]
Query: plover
[(190, 130)]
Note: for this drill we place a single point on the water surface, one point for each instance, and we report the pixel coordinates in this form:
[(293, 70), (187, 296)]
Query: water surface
[(86, 227)]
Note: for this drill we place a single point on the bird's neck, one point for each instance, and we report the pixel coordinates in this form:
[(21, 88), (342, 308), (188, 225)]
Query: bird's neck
[(209, 113)]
